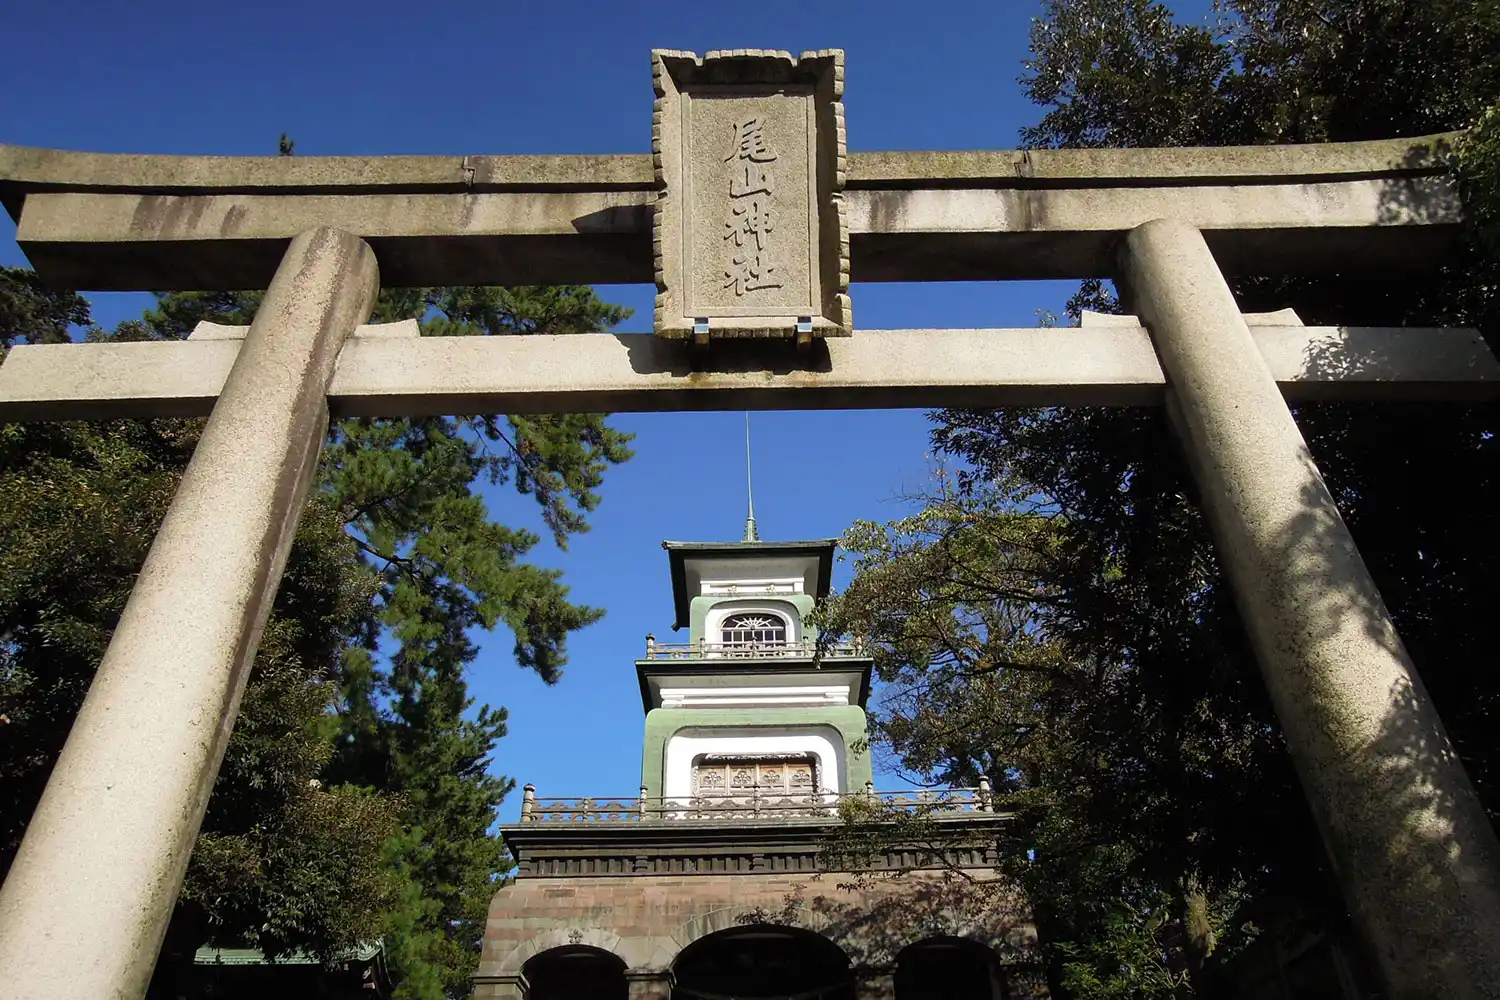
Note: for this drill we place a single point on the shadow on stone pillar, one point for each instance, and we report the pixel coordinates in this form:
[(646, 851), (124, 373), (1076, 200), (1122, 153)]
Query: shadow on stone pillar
[(1414, 853)]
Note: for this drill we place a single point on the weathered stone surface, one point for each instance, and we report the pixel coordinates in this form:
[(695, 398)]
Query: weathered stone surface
[(748, 236), (88, 897), (26, 169), (1109, 167), (648, 920), (106, 221), (1110, 366), (1413, 850), (1286, 225), (405, 328)]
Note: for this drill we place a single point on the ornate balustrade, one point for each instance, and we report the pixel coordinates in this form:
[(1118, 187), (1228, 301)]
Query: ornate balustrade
[(800, 648), (765, 806)]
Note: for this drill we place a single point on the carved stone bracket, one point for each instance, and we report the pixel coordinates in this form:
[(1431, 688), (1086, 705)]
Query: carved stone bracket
[(748, 232)]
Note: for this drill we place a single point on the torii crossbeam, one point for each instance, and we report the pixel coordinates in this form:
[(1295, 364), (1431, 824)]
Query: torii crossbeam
[(89, 895)]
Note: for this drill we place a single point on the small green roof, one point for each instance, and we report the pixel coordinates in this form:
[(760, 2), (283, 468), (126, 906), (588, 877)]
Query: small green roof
[(679, 553)]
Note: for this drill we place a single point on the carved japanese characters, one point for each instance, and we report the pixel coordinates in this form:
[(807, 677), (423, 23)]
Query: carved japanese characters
[(748, 235)]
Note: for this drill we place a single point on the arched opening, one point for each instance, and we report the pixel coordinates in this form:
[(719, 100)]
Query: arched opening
[(762, 962), (575, 972), (747, 632), (948, 968)]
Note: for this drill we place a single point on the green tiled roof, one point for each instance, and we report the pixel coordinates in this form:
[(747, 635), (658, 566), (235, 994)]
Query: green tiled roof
[(209, 955)]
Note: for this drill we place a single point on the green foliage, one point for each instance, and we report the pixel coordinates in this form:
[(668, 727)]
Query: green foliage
[(280, 855), (408, 493), (1478, 163), (281, 861), (1056, 617), (32, 313), (1012, 646), (355, 800), (1112, 73)]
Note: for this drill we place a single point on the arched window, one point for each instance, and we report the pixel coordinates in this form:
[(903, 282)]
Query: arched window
[(753, 630)]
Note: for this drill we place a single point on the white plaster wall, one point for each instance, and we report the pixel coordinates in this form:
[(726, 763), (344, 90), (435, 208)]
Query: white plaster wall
[(821, 741)]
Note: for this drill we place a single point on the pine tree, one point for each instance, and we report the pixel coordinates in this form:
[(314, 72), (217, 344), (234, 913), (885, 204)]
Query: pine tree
[(397, 552), (409, 492), (283, 859)]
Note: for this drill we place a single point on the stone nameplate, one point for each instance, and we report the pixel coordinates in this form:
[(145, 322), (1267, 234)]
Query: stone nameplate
[(749, 236)]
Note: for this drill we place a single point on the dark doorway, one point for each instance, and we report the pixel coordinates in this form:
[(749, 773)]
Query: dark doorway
[(575, 973), (948, 968), (763, 962)]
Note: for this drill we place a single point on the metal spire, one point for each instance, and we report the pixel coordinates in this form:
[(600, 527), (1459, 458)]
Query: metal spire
[(751, 535)]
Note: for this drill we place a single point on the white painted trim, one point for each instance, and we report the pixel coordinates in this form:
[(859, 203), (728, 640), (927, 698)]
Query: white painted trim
[(755, 587), (785, 696), (822, 742)]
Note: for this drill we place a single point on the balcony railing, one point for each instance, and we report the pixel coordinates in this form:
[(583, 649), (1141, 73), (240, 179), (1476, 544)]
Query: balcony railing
[(800, 648), (752, 806)]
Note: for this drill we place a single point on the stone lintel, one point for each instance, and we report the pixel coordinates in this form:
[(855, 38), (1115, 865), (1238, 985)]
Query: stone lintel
[(26, 170), (125, 242), (115, 222), (398, 376)]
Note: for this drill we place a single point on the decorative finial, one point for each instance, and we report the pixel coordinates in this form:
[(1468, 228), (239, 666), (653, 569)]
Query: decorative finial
[(751, 535)]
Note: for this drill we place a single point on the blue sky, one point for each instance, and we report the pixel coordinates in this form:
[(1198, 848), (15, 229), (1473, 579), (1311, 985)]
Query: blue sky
[(381, 77)]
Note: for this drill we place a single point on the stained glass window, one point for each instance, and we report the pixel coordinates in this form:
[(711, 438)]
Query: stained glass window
[(754, 629)]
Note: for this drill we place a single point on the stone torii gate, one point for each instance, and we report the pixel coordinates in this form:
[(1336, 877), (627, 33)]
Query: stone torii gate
[(751, 218)]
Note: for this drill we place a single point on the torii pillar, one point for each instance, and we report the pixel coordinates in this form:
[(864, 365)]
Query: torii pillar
[(126, 798), (1412, 848), (90, 894)]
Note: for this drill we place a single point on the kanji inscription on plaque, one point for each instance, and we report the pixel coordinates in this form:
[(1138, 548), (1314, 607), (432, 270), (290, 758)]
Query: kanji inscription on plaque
[(752, 195), (749, 234)]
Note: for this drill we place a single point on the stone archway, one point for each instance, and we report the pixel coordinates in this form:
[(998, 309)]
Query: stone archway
[(762, 962), (564, 934), (575, 972)]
